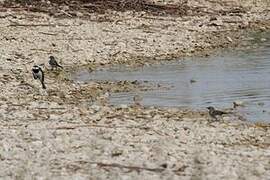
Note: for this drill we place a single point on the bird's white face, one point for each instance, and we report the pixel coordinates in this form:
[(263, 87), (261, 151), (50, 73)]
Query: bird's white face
[(35, 69)]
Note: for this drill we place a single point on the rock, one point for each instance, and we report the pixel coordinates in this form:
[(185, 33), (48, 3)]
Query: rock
[(263, 28), (213, 18), (217, 22), (164, 165), (259, 169), (65, 8), (226, 118), (123, 106), (96, 117), (238, 103), (229, 39), (79, 14), (95, 107), (192, 81), (117, 152), (261, 103), (54, 117)]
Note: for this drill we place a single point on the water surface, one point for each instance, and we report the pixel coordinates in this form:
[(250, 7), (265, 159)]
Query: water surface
[(200, 82)]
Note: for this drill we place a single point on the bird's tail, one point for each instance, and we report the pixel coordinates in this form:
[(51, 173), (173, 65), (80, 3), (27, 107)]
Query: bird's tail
[(60, 66)]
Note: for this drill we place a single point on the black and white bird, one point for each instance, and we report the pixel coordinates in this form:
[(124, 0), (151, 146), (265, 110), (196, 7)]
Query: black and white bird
[(53, 63), (214, 113), (38, 74)]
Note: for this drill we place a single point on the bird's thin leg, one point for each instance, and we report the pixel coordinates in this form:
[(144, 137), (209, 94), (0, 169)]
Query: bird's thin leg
[(43, 85)]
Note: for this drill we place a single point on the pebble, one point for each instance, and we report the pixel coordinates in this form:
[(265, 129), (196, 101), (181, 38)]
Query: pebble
[(95, 108), (229, 39), (192, 81), (123, 106), (238, 103)]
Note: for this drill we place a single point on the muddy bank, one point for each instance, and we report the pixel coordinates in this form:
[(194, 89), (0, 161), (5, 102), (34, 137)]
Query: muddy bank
[(69, 130)]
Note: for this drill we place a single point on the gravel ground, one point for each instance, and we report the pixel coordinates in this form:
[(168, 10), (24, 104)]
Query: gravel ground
[(69, 131)]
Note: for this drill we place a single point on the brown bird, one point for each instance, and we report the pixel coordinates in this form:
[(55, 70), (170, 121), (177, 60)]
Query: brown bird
[(53, 63), (214, 113)]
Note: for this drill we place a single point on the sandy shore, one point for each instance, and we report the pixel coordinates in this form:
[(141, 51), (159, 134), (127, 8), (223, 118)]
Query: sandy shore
[(70, 131)]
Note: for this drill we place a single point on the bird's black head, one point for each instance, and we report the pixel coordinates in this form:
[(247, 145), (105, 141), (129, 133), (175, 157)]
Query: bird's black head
[(210, 108), (35, 69), (52, 58)]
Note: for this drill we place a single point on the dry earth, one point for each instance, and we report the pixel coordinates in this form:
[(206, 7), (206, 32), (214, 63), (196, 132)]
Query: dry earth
[(70, 132)]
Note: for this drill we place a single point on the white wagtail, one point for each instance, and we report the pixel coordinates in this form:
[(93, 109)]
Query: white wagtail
[(53, 63), (214, 113), (38, 74)]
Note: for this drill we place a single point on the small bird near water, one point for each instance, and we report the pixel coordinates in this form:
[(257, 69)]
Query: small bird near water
[(137, 100), (214, 113), (38, 74), (53, 63)]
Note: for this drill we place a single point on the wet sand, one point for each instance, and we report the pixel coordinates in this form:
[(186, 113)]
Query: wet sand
[(70, 131)]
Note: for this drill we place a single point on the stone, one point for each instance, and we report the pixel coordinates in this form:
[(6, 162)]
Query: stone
[(229, 39), (238, 103)]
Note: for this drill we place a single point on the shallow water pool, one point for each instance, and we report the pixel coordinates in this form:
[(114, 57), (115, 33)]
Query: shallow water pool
[(200, 82)]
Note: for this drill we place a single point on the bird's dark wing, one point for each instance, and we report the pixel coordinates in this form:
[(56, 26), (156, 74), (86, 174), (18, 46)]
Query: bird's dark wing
[(52, 62), (42, 79), (220, 112), (42, 76)]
